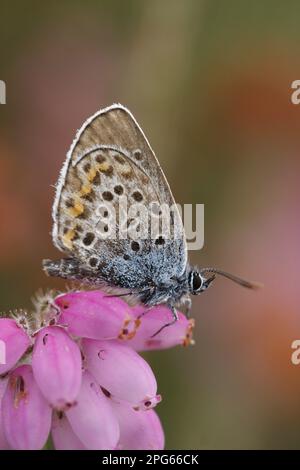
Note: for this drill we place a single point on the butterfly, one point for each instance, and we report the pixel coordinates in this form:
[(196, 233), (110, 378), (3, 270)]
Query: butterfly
[(111, 159)]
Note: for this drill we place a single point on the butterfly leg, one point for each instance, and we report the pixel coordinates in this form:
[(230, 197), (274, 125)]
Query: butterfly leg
[(127, 294), (175, 318), (124, 294), (141, 315), (187, 303)]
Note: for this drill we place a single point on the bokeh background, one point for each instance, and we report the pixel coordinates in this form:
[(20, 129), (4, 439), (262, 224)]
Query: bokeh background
[(210, 82)]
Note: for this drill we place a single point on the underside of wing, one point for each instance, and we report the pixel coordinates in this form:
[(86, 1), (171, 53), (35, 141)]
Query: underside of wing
[(109, 161)]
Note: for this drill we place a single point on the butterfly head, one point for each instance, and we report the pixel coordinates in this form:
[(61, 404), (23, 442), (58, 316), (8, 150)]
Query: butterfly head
[(197, 282)]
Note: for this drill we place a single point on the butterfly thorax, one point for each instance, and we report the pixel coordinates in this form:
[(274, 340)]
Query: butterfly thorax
[(169, 293)]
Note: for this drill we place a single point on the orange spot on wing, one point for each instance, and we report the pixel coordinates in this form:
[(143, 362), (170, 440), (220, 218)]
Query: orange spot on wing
[(92, 174), (85, 189), (77, 209), (103, 166), (127, 173), (68, 237)]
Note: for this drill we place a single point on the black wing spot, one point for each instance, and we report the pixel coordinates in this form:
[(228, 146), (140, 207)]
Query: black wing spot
[(118, 189), (87, 167), (100, 159), (69, 202), (160, 241), (93, 262), (137, 196), (107, 196), (135, 246), (137, 155), (120, 159), (88, 239)]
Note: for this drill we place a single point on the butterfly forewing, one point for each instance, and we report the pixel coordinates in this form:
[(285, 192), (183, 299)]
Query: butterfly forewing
[(111, 159)]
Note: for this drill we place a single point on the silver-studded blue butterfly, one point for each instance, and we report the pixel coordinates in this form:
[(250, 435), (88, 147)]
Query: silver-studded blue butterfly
[(110, 159)]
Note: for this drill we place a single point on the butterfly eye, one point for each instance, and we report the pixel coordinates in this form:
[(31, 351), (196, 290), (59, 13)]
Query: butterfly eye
[(195, 282)]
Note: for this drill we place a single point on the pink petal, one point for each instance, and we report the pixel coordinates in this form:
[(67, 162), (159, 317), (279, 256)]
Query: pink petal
[(92, 418), (180, 333), (121, 371), (63, 435), (25, 412), (3, 441), (14, 342), (139, 430), (56, 364), (93, 314)]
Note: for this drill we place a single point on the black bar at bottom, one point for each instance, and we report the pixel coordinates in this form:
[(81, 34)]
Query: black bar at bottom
[(134, 459)]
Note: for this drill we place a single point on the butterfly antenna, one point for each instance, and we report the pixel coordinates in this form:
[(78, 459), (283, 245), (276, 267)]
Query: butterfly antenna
[(232, 277)]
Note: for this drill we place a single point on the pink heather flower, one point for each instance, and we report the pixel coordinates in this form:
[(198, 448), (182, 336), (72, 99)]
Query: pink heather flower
[(3, 441), (56, 364), (115, 367), (139, 431), (93, 419), (72, 369), (63, 435), (26, 414), (16, 342)]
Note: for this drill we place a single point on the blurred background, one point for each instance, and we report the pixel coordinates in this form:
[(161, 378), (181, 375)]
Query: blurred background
[(210, 83)]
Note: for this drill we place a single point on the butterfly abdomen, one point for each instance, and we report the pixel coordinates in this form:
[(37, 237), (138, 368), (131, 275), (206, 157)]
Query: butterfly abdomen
[(67, 268)]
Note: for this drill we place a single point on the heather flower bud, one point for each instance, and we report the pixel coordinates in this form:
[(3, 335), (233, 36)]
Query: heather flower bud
[(25, 412), (14, 342), (92, 418), (122, 372), (63, 436), (139, 430), (56, 364), (95, 315)]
